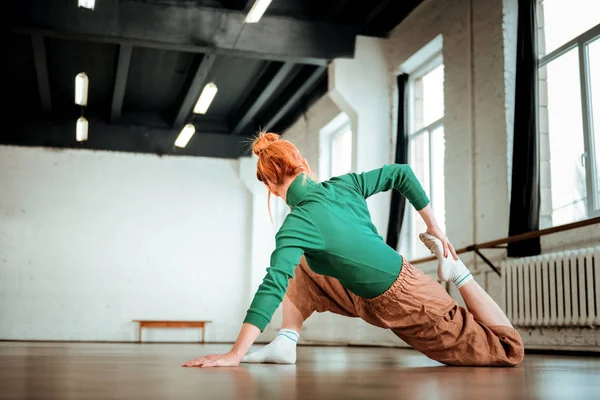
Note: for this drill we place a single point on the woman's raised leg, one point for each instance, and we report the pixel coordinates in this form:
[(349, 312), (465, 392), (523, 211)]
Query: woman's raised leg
[(479, 335), (482, 306), (478, 302)]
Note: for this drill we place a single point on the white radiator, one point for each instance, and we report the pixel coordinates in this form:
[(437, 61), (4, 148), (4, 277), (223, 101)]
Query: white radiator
[(558, 289)]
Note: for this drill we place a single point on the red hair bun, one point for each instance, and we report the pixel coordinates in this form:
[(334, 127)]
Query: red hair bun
[(262, 141)]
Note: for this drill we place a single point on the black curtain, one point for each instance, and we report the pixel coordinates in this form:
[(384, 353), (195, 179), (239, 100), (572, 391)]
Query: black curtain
[(525, 192), (398, 201)]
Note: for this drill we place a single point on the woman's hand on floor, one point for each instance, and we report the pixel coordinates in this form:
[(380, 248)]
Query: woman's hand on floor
[(247, 336), (437, 232), (214, 360)]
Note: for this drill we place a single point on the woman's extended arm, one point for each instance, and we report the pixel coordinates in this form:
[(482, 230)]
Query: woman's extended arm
[(402, 178), (297, 233)]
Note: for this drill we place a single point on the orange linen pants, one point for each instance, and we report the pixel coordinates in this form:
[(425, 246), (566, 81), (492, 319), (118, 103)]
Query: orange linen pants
[(419, 311)]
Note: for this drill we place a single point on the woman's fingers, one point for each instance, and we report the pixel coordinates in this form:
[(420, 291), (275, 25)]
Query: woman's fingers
[(214, 360), (198, 361), (209, 364), (453, 251), (211, 360)]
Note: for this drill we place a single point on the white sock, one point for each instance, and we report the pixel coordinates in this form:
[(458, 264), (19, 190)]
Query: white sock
[(282, 350), (448, 268)]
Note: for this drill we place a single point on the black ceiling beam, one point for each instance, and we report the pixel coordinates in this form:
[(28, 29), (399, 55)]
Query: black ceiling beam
[(286, 72), (195, 88), (335, 9), (130, 139), (296, 95), (306, 102), (123, 63), (248, 5), (187, 28), (394, 15), (376, 12), (238, 5), (41, 70), (204, 123)]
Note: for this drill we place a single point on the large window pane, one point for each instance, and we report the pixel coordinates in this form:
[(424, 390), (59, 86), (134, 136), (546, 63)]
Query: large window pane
[(420, 163), (566, 19), (419, 151), (438, 146), (341, 153), (565, 127), (433, 95), (594, 69)]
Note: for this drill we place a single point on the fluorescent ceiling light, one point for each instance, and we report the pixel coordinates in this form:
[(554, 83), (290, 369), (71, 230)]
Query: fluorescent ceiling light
[(87, 4), (82, 129), (81, 89), (257, 11), (185, 135), (206, 97)]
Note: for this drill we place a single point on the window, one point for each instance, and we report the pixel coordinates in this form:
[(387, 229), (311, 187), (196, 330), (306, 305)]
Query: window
[(426, 146), (569, 102), (341, 151), (336, 148)]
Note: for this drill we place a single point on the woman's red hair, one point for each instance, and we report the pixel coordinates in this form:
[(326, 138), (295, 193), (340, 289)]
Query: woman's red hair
[(278, 160)]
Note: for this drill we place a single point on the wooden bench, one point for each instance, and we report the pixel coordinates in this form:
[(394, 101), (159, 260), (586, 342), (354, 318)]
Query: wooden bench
[(170, 324)]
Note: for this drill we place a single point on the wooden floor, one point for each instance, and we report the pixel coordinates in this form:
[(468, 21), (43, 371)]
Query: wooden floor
[(152, 371)]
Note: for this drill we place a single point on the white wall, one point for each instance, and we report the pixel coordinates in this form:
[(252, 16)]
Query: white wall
[(92, 240)]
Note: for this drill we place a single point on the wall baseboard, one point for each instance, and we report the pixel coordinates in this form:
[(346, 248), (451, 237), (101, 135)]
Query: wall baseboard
[(564, 352)]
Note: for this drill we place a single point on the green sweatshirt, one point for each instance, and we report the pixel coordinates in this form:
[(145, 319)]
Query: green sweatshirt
[(331, 225)]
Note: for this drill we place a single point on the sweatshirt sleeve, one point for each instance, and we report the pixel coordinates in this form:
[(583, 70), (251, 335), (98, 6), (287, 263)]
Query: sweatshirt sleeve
[(394, 176), (297, 234)]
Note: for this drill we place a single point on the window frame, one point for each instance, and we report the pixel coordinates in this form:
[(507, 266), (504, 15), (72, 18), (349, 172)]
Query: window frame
[(423, 69), (580, 43)]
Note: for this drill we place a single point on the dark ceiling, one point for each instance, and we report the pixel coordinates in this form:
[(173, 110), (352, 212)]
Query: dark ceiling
[(148, 60)]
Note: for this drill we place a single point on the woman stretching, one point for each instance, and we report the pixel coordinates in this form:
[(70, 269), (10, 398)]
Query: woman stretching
[(330, 253)]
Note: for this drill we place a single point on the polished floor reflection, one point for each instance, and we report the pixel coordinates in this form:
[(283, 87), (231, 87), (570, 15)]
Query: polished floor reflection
[(152, 371)]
